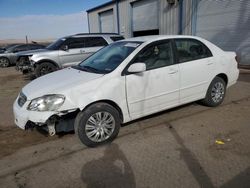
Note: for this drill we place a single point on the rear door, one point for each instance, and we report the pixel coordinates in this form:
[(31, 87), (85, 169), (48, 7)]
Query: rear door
[(157, 88), (106, 20), (196, 69), (145, 17)]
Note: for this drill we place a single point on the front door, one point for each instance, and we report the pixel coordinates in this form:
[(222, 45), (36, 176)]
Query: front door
[(75, 52), (157, 88), (92, 45)]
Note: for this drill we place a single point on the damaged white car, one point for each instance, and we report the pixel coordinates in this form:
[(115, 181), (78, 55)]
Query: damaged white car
[(124, 81)]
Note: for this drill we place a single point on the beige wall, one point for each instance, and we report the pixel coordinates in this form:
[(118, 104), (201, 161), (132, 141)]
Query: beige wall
[(168, 17)]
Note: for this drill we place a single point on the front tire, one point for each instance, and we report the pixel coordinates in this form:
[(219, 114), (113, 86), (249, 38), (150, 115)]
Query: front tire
[(215, 93), (98, 124), (4, 62), (44, 68)]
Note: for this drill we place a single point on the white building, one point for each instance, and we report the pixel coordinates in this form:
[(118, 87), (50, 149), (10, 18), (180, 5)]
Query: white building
[(223, 22)]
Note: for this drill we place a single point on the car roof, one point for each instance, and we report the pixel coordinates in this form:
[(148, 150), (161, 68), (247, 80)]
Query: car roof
[(95, 35), (152, 38)]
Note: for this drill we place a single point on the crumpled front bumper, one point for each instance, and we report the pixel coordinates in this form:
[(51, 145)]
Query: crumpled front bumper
[(25, 67), (22, 116)]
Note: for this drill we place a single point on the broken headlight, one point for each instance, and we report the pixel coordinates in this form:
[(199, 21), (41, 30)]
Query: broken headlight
[(46, 103)]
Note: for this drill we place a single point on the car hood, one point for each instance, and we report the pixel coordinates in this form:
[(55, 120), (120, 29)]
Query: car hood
[(31, 52), (57, 82)]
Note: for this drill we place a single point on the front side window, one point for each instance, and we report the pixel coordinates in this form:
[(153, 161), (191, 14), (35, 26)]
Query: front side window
[(94, 42), (190, 49), (75, 43), (108, 58), (156, 55), (56, 45)]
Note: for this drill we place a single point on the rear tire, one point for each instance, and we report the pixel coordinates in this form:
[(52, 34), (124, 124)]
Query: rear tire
[(215, 93), (98, 124), (44, 68), (4, 62)]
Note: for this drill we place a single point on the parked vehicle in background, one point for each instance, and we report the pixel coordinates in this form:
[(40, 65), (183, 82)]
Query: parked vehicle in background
[(66, 51), (22, 62), (3, 49), (9, 56), (125, 81)]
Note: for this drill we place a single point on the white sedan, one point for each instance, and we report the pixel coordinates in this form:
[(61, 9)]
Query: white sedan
[(124, 81)]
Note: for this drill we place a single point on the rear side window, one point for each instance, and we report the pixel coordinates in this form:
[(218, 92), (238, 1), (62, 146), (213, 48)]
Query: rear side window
[(94, 42), (190, 49), (117, 38)]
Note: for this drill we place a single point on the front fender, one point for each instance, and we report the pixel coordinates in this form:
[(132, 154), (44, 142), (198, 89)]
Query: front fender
[(105, 89), (46, 58)]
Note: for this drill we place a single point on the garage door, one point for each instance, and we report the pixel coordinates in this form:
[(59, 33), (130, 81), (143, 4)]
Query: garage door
[(145, 16), (227, 24), (107, 21)]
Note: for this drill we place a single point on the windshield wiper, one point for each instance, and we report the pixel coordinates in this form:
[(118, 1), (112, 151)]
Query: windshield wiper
[(92, 69), (89, 69)]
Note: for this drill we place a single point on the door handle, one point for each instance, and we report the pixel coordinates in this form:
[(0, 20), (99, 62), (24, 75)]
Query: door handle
[(172, 71), (210, 63), (82, 51)]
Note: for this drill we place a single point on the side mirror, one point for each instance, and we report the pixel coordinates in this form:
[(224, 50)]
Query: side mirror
[(137, 68), (65, 48)]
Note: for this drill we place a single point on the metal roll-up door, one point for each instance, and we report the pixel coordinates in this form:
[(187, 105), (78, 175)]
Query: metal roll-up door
[(145, 15), (107, 21), (227, 24)]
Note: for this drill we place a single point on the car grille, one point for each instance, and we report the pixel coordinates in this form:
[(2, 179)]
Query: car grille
[(22, 99)]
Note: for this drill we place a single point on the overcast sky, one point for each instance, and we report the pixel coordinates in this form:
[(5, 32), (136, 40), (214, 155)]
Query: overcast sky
[(44, 19)]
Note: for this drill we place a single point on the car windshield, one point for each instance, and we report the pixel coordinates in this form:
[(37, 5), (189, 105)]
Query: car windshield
[(55, 45), (10, 48), (108, 58)]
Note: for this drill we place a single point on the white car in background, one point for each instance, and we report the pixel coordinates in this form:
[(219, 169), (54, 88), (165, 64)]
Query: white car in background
[(125, 81), (64, 52)]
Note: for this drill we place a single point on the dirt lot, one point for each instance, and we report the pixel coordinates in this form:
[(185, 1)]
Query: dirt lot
[(175, 148)]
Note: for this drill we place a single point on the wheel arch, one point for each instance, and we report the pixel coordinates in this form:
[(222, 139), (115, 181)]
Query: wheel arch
[(223, 76), (110, 102), (46, 61), (4, 57)]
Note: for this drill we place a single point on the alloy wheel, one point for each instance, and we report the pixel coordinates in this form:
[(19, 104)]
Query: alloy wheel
[(4, 62), (100, 126), (218, 92)]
